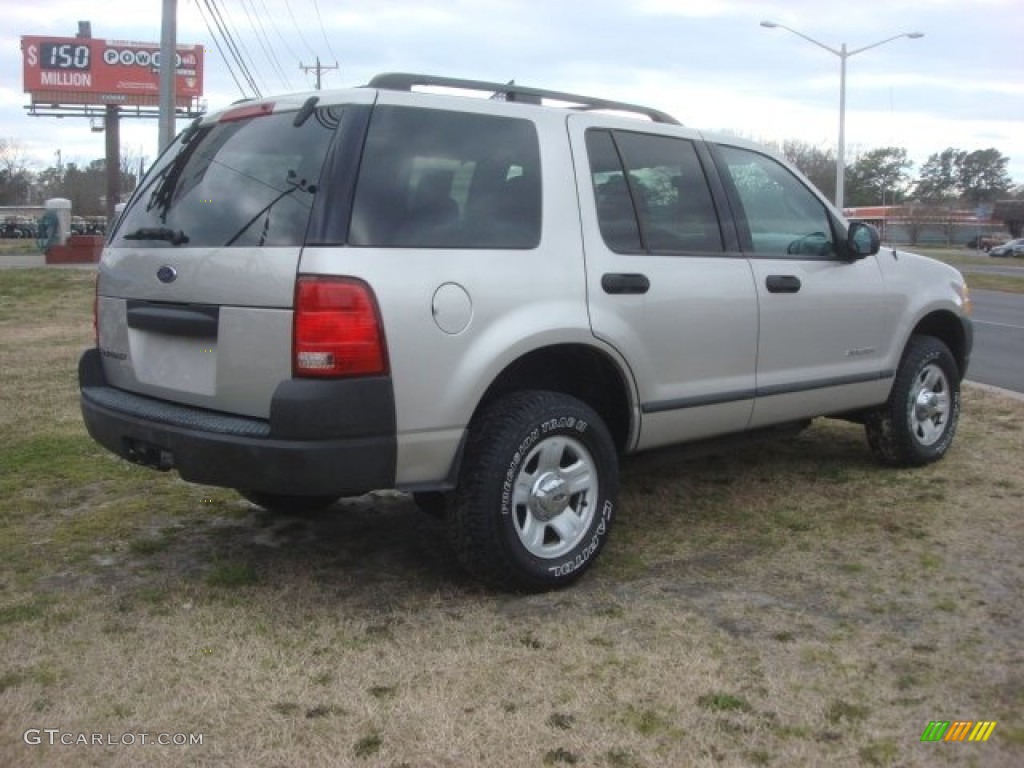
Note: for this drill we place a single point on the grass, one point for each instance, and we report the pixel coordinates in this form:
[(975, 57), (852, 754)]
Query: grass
[(965, 259), (781, 604), (957, 256), (1004, 283), (19, 246)]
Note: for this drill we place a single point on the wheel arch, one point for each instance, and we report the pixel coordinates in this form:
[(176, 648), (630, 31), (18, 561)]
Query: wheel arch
[(950, 330), (577, 370)]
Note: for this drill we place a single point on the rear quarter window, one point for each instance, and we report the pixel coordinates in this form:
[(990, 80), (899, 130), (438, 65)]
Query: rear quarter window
[(441, 179)]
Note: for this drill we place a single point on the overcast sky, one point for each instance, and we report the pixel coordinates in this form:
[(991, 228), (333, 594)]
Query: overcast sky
[(708, 62)]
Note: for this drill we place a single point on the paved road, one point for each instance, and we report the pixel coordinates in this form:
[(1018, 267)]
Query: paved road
[(998, 357), (22, 260)]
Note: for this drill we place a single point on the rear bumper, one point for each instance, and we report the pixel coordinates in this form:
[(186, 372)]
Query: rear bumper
[(333, 437)]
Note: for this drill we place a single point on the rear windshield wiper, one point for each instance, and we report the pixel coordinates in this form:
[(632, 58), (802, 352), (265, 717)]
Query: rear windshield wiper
[(294, 183), (158, 233)]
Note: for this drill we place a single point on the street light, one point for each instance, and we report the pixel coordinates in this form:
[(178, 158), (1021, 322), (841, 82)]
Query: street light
[(843, 55)]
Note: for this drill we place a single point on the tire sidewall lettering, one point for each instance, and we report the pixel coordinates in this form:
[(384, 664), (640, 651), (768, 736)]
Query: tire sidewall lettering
[(575, 561), (512, 471), (564, 423)]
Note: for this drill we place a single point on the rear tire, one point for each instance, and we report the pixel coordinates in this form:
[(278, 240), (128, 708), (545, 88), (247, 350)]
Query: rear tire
[(288, 504), (534, 503), (917, 424)]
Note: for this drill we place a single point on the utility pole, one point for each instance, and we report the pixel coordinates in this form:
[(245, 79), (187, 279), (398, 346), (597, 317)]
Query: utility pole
[(112, 126), (168, 70), (318, 69)]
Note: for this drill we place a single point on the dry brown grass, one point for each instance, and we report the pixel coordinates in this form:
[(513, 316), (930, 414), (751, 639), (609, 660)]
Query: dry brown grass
[(787, 604)]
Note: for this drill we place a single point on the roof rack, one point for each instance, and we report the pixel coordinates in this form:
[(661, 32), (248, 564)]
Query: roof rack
[(405, 81)]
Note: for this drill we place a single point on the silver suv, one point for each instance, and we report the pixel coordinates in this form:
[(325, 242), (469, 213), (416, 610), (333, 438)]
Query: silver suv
[(484, 302)]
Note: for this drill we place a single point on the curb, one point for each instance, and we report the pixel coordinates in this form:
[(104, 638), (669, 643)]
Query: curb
[(996, 390)]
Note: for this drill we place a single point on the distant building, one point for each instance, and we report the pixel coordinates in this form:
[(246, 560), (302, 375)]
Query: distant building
[(928, 223)]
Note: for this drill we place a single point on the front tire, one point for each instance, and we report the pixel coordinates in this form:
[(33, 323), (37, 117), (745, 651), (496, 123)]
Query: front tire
[(534, 503), (917, 424)]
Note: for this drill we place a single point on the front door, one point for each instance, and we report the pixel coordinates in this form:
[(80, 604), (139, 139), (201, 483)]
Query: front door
[(821, 315)]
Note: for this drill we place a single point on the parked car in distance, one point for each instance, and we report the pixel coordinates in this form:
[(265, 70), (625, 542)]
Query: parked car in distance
[(985, 242), (18, 227), (1011, 248)]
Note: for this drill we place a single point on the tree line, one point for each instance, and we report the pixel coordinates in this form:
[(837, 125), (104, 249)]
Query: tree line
[(84, 185), (884, 176)]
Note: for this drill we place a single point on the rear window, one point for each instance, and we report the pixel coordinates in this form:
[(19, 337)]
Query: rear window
[(440, 179), (248, 182)]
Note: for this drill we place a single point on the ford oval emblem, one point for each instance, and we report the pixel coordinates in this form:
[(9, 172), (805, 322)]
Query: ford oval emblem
[(167, 274)]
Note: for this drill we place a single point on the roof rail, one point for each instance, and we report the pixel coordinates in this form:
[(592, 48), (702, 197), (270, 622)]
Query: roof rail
[(405, 81)]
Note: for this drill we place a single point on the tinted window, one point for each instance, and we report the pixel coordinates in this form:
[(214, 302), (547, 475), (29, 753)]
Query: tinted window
[(247, 182), (783, 216), (438, 179), (616, 214), (661, 204)]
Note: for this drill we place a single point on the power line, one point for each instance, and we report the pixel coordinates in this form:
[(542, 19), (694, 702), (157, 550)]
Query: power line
[(216, 42), (323, 32), (264, 41), (229, 23), (211, 6), (277, 31), (233, 46), (297, 28)]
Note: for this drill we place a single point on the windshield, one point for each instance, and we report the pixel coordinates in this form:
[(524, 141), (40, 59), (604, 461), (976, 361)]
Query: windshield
[(244, 182)]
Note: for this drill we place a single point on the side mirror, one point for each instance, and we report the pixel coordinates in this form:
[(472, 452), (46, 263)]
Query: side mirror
[(862, 240)]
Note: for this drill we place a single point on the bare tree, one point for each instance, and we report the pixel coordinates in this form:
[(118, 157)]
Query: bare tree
[(816, 163), (13, 157), (15, 176), (915, 220), (132, 167)]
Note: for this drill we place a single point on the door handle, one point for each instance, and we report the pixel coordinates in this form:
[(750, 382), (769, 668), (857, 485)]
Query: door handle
[(625, 283), (783, 283)]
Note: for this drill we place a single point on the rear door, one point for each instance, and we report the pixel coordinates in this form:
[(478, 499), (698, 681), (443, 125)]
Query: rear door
[(821, 316), (196, 287), (666, 286)]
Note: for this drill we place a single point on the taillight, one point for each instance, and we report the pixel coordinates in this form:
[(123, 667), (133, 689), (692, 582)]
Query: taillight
[(337, 329)]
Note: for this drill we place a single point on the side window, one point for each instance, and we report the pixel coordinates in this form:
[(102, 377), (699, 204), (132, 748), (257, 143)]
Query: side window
[(783, 217), (439, 179), (616, 215), (661, 204)]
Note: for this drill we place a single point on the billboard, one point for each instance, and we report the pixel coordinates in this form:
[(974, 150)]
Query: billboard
[(86, 70)]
